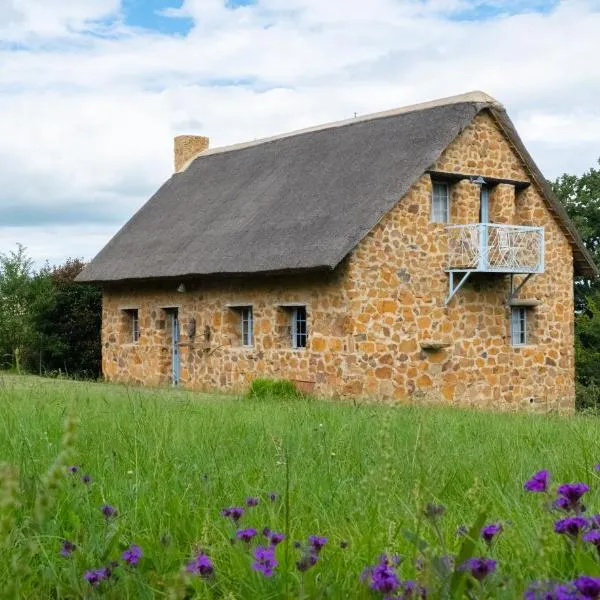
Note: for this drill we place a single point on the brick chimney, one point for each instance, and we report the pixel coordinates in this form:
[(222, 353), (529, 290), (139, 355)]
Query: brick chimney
[(188, 147)]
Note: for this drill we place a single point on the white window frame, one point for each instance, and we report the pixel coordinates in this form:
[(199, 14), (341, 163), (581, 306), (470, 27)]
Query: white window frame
[(299, 315), (518, 326), (247, 326), (440, 202)]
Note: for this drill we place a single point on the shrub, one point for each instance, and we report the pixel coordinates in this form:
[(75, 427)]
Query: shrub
[(262, 388), (587, 397)]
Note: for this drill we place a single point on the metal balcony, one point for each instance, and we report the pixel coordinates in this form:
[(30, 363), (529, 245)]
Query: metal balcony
[(491, 248)]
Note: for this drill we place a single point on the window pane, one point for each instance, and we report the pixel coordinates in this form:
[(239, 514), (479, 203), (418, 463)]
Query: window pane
[(519, 326), (299, 328), (135, 327), (247, 327), (439, 203)]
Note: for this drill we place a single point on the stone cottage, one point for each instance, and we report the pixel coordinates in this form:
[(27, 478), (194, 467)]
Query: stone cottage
[(414, 254)]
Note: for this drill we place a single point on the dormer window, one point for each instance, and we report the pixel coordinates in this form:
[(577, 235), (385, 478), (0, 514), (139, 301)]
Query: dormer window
[(440, 202)]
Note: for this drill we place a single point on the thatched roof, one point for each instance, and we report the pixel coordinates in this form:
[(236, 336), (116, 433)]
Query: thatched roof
[(300, 201)]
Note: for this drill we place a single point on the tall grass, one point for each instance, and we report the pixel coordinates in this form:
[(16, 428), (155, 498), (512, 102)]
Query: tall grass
[(361, 475)]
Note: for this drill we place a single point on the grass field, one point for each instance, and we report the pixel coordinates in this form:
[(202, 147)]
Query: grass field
[(170, 461)]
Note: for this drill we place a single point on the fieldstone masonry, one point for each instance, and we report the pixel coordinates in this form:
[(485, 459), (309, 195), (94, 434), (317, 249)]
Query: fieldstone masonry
[(378, 325)]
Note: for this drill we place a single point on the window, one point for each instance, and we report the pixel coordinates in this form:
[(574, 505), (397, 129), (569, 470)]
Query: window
[(247, 323), (132, 325), (440, 201), (518, 326), (299, 327)]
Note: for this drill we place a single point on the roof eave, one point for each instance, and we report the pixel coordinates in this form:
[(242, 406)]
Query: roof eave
[(317, 269)]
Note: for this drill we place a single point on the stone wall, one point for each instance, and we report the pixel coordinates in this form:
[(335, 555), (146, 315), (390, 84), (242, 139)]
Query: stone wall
[(378, 325)]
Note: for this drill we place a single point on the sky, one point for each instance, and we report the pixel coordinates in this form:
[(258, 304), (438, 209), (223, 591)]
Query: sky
[(92, 92)]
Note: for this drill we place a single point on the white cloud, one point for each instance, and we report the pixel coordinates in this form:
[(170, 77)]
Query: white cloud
[(51, 18), (88, 120)]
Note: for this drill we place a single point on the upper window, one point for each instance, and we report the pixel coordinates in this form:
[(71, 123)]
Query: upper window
[(299, 327), (133, 324), (247, 324), (484, 204), (440, 202), (518, 326)]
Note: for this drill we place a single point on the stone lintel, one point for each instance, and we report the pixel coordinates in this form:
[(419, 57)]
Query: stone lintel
[(524, 302)]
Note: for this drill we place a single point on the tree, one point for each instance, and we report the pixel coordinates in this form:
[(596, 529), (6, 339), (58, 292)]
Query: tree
[(68, 328), (22, 293), (580, 196)]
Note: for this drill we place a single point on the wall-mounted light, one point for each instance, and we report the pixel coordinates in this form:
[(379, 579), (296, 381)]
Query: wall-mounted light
[(181, 288)]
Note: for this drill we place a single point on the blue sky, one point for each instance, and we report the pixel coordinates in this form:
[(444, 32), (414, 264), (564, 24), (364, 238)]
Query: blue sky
[(149, 14), (93, 91)]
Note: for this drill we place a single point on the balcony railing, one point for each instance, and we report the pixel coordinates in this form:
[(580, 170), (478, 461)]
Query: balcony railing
[(488, 247)]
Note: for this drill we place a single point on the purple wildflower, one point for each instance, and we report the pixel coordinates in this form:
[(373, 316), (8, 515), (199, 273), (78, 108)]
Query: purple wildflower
[(562, 503), (479, 568), (108, 511), (573, 493), (97, 576), (67, 548), (382, 577), (73, 469), (276, 538), (597, 467), (235, 513), (87, 479), (252, 501), (571, 526), (489, 532), (201, 565), (588, 587), (412, 589), (593, 537), (306, 562), (132, 555), (538, 482), (546, 590), (316, 543), (264, 560), (246, 535)]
